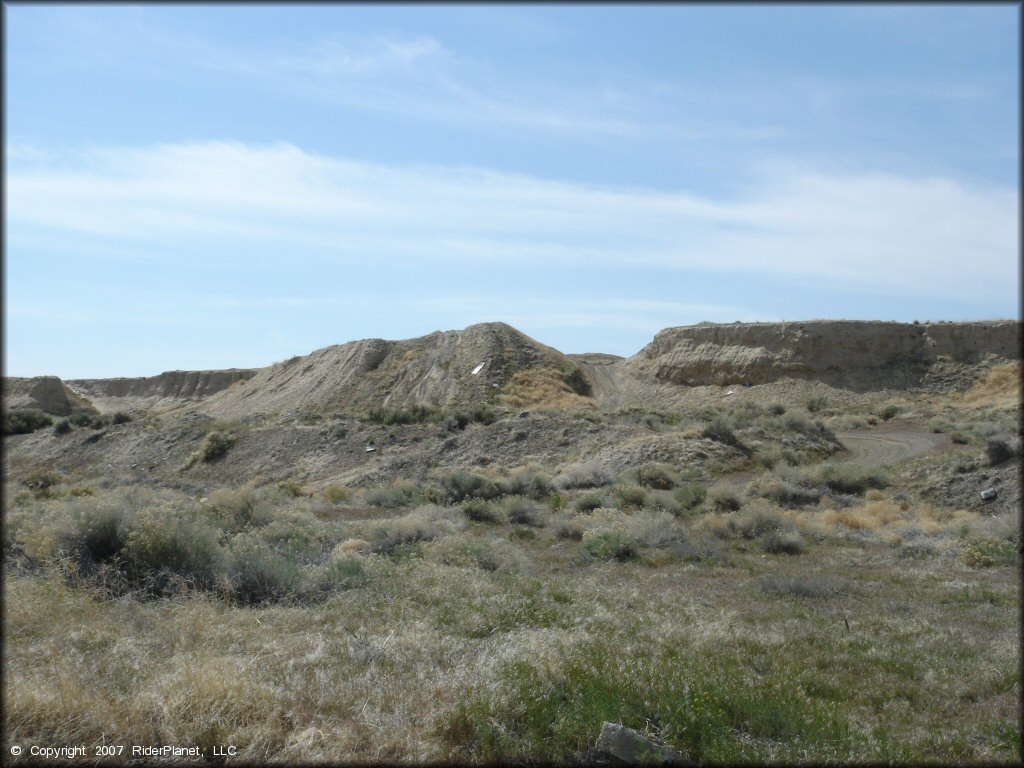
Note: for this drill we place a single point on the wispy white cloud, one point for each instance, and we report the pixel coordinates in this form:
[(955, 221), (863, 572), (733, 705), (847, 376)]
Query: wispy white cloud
[(875, 231)]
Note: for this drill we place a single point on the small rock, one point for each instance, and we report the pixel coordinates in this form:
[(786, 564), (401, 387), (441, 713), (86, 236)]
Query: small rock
[(629, 747), (988, 494)]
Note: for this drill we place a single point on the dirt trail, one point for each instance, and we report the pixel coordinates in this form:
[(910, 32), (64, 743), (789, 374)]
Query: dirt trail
[(871, 447), (887, 445)]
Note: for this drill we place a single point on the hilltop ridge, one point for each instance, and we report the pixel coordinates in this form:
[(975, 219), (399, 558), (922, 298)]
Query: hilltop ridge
[(494, 362)]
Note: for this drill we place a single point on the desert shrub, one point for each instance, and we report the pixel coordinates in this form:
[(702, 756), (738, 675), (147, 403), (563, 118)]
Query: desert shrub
[(663, 501), (851, 478), (989, 553), (453, 422), (62, 427), (215, 447), (652, 421), (102, 528), (939, 425), (482, 511), (296, 534), (173, 544), (456, 420), (752, 524), (391, 496), (98, 420), (887, 411), (292, 488), (725, 500), (1000, 449), (40, 536), (588, 502), (985, 428), (782, 542), (568, 528), (310, 418), (656, 476), (588, 474), (720, 429), (42, 480), (416, 414), (817, 404), (461, 485), (483, 415), (351, 547), (777, 409), (690, 495), (850, 421), (257, 573), (629, 496), (786, 487), (79, 491), (610, 544), (652, 528), (337, 575), (22, 421), (556, 502), (536, 485), (235, 509), (336, 494), (797, 422), (960, 438), (521, 510), (744, 414), (82, 418), (520, 533), (488, 555), (409, 529)]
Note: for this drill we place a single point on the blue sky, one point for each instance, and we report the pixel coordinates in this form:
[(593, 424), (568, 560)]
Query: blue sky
[(201, 186)]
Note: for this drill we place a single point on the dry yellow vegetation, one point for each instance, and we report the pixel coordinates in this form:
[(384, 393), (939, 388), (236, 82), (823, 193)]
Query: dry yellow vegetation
[(1000, 388), (542, 388)]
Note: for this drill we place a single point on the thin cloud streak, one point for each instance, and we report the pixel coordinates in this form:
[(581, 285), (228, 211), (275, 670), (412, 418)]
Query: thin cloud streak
[(881, 232)]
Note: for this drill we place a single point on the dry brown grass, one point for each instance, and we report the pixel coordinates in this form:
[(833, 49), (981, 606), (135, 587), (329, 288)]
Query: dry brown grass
[(542, 388), (880, 512), (999, 388), (874, 514)]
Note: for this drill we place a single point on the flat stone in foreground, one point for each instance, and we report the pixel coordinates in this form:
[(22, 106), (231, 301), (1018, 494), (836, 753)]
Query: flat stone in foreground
[(630, 748)]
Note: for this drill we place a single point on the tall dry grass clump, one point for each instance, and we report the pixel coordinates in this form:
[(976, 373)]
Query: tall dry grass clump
[(999, 388), (543, 388)]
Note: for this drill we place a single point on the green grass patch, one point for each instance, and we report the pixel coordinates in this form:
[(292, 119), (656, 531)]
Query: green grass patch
[(710, 712)]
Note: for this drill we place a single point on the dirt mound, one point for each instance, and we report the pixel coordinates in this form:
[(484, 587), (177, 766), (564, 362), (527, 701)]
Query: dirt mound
[(855, 355), (449, 369), (47, 393), (167, 390)]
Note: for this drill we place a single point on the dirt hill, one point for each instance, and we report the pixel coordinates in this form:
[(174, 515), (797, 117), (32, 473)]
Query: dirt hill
[(433, 370), (690, 364), (46, 393), (168, 390), (853, 355)]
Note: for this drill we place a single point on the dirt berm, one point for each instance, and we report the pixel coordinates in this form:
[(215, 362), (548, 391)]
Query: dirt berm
[(850, 354)]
